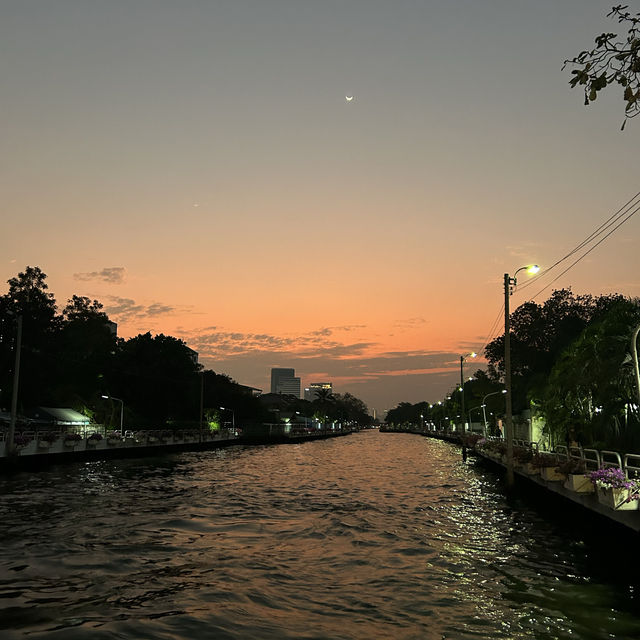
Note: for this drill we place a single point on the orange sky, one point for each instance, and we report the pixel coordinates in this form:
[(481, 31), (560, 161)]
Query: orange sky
[(196, 168)]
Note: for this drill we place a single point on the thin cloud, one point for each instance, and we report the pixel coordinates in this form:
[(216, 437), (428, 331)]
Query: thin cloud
[(126, 309), (112, 275)]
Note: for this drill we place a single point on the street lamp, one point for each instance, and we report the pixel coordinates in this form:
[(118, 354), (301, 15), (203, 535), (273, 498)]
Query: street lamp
[(121, 411), (634, 351), (233, 416), (484, 404), (14, 391), (470, 410), (473, 354), (510, 282)]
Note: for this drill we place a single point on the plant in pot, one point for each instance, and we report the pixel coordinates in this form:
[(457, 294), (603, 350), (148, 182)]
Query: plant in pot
[(94, 438), (547, 464), (614, 489), (575, 470), (47, 438), (523, 456), (113, 437), (72, 439)]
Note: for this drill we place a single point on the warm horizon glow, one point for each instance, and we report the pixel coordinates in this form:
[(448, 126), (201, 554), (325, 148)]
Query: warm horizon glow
[(200, 170)]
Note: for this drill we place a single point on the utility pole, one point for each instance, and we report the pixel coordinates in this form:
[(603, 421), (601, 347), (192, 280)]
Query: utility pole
[(508, 426), (14, 395)]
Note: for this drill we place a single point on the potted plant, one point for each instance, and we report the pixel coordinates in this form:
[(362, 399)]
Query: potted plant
[(576, 479), (547, 464), (614, 490), (46, 439), (71, 439), (113, 438), (20, 441), (94, 438)]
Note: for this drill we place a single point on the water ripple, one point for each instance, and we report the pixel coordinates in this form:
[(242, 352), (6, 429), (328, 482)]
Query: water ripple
[(369, 536)]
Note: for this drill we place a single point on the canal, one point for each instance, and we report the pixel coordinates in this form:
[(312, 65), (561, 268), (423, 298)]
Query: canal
[(373, 535)]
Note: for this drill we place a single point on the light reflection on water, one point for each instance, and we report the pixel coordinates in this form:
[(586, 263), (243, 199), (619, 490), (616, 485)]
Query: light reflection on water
[(367, 536)]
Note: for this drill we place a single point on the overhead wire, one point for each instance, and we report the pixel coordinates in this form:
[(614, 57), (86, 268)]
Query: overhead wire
[(607, 224), (616, 220), (586, 253)]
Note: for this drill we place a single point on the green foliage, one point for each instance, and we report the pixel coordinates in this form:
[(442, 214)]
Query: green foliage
[(590, 388), (540, 333), (73, 358), (610, 62)]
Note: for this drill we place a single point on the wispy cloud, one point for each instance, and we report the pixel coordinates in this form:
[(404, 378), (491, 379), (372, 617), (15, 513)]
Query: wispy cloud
[(126, 309), (112, 275)]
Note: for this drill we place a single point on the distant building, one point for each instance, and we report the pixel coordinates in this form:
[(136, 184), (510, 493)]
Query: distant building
[(284, 381), (250, 391), (311, 392)]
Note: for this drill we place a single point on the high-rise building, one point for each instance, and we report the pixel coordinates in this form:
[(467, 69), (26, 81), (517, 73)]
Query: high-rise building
[(311, 392), (284, 381)]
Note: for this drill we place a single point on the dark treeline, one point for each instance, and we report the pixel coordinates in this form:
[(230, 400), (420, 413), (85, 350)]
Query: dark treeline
[(571, 367), (73, 358)]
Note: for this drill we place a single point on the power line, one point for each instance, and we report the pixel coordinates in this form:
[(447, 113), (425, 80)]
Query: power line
[(586, 253), (622, 215), (612, 220)]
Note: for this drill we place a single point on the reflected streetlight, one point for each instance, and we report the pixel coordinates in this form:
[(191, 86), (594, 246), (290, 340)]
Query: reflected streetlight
[(509, 283), (121, 411)]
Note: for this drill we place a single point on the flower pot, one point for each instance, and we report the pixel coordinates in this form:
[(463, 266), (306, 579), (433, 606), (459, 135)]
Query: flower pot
[(530, 469), (113, 441), (551, 474), (43, 444), (152, 440), (70, 443), (579, 483), (616, 499)]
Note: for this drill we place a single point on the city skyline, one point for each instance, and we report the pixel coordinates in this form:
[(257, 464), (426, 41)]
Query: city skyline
[(199, 170)]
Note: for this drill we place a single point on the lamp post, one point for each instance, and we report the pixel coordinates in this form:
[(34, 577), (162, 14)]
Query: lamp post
[(484, 404), (14, 392), (470, 410), (473, 354), (634, 351), (233, 416), (121, 412), (508, 427)]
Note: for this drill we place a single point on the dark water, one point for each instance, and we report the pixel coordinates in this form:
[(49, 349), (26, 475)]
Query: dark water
[(366, 536)]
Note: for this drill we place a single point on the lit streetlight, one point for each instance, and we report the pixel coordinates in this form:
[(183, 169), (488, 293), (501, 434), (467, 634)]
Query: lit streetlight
[(121, 411), (233, 416), (484, 404), (510, 282), (473, 354), (470, 411)]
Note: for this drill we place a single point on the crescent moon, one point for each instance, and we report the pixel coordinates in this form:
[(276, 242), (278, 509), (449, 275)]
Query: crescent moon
[(349, 98)]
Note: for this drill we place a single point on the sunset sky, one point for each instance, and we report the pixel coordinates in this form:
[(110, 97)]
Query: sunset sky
[(195, 166)]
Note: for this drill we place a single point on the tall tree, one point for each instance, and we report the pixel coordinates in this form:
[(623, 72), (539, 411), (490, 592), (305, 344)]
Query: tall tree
[(28, 298), (86, 348)]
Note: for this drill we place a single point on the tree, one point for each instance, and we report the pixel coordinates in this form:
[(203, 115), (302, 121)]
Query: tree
[(610, 62), (156, 376), (85, 348), (29, 300), (591, 386)]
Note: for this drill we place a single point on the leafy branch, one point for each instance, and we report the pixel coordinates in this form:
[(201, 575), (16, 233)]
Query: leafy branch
[(612, 61)]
